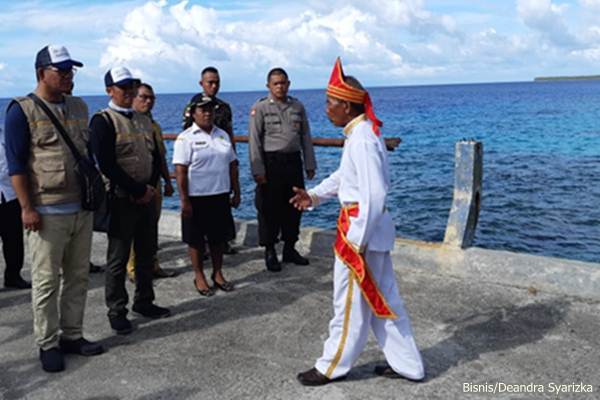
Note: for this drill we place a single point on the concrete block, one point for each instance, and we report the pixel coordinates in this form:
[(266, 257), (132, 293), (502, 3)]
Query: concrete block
[(466, 203)]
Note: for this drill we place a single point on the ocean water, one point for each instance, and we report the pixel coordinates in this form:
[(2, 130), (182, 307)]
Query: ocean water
[(541, 185)]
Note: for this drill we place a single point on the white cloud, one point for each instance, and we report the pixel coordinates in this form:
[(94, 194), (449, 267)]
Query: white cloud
[(2, 66), (546, 17), (591, 4), (383, 42), (186, 36)]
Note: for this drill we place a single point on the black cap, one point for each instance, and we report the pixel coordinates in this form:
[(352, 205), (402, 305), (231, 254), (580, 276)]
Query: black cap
[(204, 101)]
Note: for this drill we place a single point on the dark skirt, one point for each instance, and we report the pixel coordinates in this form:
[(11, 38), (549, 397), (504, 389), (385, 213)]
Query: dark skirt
[(211, 220)]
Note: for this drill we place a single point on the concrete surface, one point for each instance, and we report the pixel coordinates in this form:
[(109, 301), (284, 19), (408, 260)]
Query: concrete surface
[(473, 327)]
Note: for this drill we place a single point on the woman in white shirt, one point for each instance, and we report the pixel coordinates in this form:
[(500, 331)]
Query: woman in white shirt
[(207, 178)]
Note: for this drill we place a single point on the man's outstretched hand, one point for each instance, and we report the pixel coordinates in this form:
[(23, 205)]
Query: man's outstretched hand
[(301, 199)]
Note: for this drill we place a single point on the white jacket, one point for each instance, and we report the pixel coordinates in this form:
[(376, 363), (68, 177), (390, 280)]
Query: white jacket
[(363, 178)]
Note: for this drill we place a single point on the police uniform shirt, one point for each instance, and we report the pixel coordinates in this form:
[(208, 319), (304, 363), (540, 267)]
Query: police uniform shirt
[(279, 127), (207, 156)]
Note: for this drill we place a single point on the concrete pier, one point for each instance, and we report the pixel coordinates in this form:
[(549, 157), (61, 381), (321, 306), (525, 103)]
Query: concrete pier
[(484, 320)]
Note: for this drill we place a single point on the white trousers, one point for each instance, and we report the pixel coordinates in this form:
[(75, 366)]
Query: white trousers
[(349, 328)]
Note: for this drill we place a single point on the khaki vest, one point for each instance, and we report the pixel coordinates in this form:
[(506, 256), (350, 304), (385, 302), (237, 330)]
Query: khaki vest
[(52, 178), (134, 146)]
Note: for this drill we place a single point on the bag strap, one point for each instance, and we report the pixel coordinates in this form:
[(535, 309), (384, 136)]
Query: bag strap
[(57, 125)]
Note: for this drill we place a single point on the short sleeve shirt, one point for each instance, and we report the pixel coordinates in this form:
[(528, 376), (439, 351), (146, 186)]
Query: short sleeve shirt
[(207, 156)]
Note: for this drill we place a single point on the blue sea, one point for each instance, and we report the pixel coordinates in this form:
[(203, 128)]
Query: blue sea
[(541, 185)]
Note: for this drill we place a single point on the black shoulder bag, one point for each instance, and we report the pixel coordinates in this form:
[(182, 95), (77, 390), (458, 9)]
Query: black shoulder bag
[(93, 191)]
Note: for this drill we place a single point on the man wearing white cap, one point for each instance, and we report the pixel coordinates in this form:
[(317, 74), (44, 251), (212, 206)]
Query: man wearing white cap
[(124, 145), (59, 231)]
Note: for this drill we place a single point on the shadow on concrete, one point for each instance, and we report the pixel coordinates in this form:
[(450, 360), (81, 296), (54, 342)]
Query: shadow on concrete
[(176, 392), (496, 330), (102, 398), (21, 329), (229, 261), (21, 377), (260, 293), (11, 379), (14, 297)]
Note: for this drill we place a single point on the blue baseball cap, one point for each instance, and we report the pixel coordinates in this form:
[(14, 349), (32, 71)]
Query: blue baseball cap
[(56, 56)]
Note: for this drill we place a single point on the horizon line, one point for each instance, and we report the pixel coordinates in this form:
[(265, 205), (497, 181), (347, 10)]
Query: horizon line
[(368, 87)]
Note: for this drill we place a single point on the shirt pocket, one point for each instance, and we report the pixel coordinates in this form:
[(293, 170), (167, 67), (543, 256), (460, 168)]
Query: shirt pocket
[(45, 136), (296, 122), (223, 144), (130, 164), (124, 149), (272, 123), (51, 172), (200, 150)]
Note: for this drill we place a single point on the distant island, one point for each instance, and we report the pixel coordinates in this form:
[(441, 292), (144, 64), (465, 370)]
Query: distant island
[(567, 78)]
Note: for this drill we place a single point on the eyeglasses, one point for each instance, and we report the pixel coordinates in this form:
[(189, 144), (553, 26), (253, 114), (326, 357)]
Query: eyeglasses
[(63, 72)]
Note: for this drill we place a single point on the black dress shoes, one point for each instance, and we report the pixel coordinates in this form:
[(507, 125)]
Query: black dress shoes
[(80, 346), (226, 286), (17, 283), (52, 360), (95, 269), (290, 254), (387, 372), (313, 377), (271, 260), (151, 311), (208, 292), (121, 325)]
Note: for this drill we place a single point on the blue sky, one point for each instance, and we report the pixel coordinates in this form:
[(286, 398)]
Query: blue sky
[(383, 42)]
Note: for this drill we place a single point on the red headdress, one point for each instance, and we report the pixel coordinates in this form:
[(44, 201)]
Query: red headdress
[(339, 89)]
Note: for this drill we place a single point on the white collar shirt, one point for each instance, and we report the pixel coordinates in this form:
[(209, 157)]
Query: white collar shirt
[(207, 156), (6, 189), (363, 178)]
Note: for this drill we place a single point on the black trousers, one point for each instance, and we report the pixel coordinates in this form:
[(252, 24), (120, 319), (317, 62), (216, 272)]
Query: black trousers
[(129, 222), (11, 232), (275, 213)]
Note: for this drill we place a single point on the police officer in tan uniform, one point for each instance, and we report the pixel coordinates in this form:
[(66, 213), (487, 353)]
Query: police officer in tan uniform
[(59, 231), (124, 145), (279, 142)]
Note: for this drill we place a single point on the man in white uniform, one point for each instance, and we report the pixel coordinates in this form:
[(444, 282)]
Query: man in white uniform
[(365, 291)]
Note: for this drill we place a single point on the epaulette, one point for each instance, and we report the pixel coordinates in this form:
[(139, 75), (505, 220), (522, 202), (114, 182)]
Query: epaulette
[(262, 99)]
